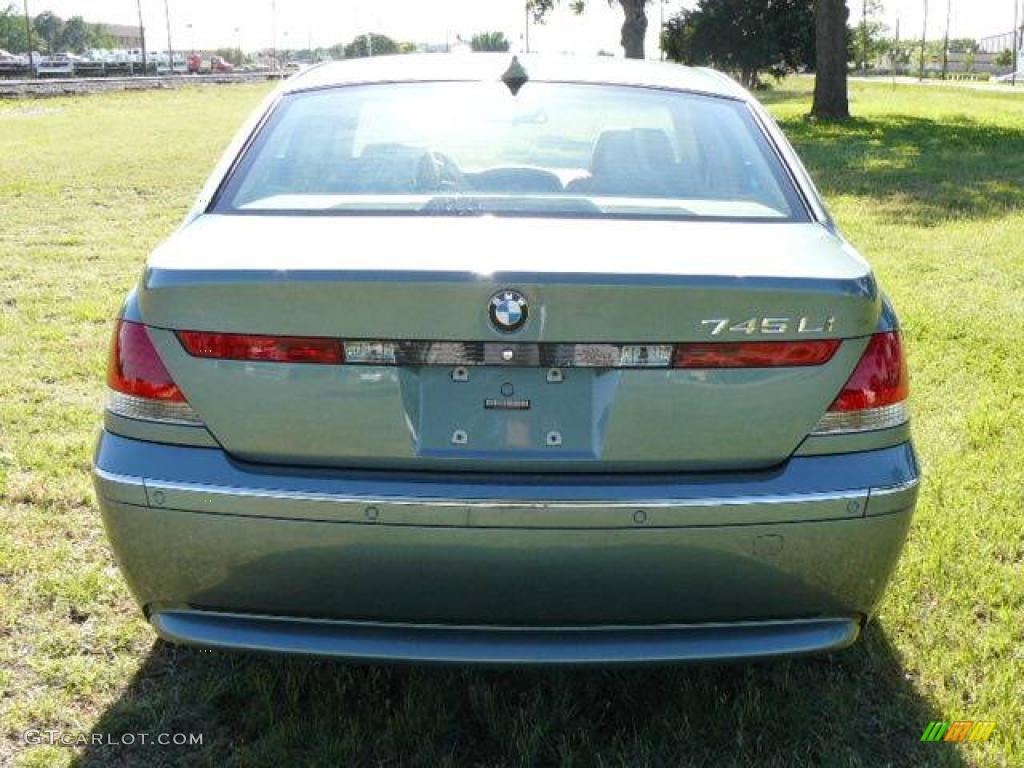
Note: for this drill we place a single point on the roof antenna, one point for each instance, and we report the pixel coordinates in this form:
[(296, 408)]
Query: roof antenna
[(515, 76)]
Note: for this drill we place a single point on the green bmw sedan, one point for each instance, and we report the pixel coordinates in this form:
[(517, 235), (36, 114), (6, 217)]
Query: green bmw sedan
[(482, 359)]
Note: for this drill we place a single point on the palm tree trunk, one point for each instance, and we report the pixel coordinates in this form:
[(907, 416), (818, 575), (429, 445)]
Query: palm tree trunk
[(634, 28)]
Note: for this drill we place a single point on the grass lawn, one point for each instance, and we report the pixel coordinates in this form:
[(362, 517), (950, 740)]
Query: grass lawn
[(928, 182)]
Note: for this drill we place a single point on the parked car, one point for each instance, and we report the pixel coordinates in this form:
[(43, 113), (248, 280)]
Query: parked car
[(478, 359), (1009, 77)]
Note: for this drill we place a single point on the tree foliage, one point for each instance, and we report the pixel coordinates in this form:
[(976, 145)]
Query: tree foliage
[(47, 27), (869, 31), (634, 25), (747, 37), (489, 41), (50, 32), (75, 35), (13, 37), (869, 42), (361, 46)]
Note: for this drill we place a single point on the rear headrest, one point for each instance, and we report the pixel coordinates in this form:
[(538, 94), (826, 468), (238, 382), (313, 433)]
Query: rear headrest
[(639, 159), (613, 150)]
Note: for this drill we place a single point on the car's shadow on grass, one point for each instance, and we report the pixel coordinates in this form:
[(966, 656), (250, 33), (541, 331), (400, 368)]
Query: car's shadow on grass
[(856, 708)]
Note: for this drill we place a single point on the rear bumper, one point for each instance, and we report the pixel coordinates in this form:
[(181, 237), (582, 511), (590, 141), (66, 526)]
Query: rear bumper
[(497, 569)]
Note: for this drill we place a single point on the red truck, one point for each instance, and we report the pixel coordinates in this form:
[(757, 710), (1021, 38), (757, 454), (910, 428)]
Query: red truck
[(198, 64)]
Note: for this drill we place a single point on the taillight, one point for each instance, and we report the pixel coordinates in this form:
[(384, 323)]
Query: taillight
[(754, 354), (274, 349), (875, 395), (139, 386)]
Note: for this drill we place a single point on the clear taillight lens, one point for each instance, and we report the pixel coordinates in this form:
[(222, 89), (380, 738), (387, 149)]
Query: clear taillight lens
[(875, 395), (138, 384)]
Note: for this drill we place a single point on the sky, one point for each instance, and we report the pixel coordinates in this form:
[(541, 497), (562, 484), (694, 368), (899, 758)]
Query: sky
[(248, 23)]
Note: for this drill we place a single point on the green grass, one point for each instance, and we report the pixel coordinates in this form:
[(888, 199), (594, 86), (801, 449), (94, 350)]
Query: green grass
[(928, 182)]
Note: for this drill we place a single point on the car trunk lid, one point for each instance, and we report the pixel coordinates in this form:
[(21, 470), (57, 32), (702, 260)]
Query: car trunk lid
[(548, 397)]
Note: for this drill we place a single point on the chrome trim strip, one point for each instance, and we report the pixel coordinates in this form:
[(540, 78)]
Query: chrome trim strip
[(507, 353), (113, 477), (286, 495), (891, 490)]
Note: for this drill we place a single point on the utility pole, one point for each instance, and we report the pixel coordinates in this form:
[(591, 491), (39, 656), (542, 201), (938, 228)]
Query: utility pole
[(32, 61), (864, 37), (661, 32), (924, 36), (273, 32), (896, 54), (309, 30), (142, 36), (170, 48), (1016, 44), (527, 26), (945, 43)]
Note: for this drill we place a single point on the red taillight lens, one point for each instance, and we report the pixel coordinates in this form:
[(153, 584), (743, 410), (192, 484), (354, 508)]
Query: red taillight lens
[(276, 349), (874, 397), (754, 354), (136, 369), (880, 377)]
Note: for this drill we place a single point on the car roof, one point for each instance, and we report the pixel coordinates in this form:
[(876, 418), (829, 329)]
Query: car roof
[(540, 67)]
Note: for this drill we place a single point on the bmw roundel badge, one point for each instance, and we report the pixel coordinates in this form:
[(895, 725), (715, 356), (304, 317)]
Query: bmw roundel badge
[(508, 310)]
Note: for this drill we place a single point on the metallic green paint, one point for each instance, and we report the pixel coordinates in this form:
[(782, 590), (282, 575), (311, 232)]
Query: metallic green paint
[(507, 576)]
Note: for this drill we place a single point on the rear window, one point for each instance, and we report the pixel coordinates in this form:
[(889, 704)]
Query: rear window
[(467, 148)]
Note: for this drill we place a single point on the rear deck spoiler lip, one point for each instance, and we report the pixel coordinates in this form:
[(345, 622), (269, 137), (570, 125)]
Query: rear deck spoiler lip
[(156, 278)]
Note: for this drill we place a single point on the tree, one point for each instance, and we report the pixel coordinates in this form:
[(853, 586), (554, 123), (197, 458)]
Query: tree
[(74, 35), (831, 101), (873, 42), (489, 41), (743, 36), (12, 30), (634, 25), (48, 27), (1005, 58), (99, 37), (869, 32), (361, 46)]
